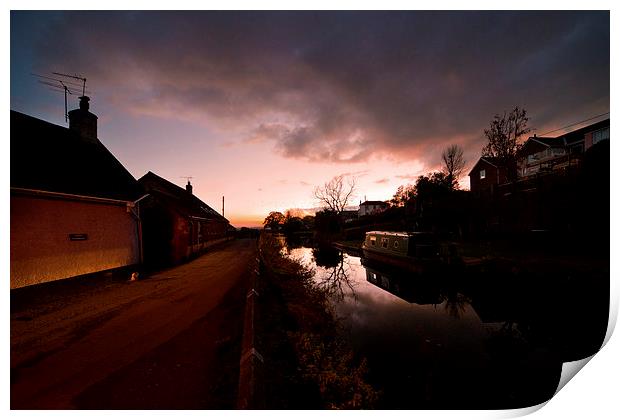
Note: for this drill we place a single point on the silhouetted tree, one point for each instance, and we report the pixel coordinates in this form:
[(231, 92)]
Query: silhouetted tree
[(274, 219), (335, 194), (327, 221), (503, 136), (308, 222), (453, 164), (403, 196), (292, 224), (431, 191), (432, 185)]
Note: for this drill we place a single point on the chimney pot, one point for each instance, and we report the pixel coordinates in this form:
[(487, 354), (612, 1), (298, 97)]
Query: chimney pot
[(189, 187), (84, 105), (83, 121)]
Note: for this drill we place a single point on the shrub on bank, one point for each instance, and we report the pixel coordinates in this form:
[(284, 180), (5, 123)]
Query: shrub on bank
[(324, 369)]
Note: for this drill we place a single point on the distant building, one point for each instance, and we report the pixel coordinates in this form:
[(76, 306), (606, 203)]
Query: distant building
[(548, 154), (74, 207), (177, 225), (487, 174), (372, 207)]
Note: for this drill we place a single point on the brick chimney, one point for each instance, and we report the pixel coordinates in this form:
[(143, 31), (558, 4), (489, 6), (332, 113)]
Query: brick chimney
[(188, 187), (83, 121)]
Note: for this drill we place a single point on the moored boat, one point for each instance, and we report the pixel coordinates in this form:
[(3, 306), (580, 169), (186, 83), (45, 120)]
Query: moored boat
[(419, 251)]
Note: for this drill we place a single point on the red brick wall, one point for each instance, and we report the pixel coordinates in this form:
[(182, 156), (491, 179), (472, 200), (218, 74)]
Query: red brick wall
[(42, 251), (490, 180)]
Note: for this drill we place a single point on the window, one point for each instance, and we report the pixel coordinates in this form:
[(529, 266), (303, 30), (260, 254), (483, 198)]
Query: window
[(396, 244), (600, 135), (384, 242), (483, 173), (373, 240)]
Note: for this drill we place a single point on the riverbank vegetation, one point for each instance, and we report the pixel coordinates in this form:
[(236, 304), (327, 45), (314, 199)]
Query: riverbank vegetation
[(308, 363)]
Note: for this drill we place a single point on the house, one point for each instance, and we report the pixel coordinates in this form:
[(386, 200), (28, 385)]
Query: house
[(539, 154), (74, 207), (487, 174), (177, 225), (548, 154), (372, 207)]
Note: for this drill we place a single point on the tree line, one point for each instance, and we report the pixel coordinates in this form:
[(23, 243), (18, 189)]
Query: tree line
[(420, 198)]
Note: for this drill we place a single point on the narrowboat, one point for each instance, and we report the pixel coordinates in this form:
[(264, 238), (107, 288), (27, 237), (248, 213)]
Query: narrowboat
[(417, 251)]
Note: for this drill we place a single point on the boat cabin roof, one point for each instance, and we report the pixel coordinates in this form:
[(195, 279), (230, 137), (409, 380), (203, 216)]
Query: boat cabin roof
[(401, 234), (379, 232)]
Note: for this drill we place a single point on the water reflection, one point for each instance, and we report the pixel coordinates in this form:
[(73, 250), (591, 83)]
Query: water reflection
[(456, 303), (411, 287), (335, 279), (493, 339)]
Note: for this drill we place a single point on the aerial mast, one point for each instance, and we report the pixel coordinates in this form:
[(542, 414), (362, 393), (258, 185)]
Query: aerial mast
[(61, 84), (188, 187)]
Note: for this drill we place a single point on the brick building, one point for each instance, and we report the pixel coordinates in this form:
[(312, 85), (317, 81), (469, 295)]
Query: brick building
[(177, 224), (74, 207)]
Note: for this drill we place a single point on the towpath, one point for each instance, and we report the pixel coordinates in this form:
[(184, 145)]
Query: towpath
[(168, 341)]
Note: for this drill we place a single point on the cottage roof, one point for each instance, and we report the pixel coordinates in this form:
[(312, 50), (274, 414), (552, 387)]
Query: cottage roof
[(373, 203), (49, 157), (177, 197), (490, 160)]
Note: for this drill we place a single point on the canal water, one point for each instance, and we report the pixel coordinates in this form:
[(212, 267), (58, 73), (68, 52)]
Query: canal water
[(485, 340)]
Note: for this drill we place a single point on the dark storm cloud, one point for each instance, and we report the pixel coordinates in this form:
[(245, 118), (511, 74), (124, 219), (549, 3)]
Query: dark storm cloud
[(340, 86)]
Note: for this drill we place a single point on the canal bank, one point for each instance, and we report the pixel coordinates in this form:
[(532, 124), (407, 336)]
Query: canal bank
[(309, 365)]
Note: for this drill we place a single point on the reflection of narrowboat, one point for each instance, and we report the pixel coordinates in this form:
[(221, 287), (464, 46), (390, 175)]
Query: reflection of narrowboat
[(409, 250), (409, 286)]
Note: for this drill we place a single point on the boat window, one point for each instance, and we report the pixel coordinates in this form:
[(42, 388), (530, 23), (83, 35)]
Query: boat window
[(395, 244), (384, 242), (373, 240)]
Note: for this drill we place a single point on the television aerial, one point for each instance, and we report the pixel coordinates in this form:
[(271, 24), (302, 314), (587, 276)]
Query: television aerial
[(66, 83)]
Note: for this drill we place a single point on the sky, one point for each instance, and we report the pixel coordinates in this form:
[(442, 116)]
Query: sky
[(261, 107)]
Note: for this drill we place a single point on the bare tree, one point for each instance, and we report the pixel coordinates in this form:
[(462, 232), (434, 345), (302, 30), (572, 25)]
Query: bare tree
[(335, 194), (336, 280), (503, 135), (454, 163)]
